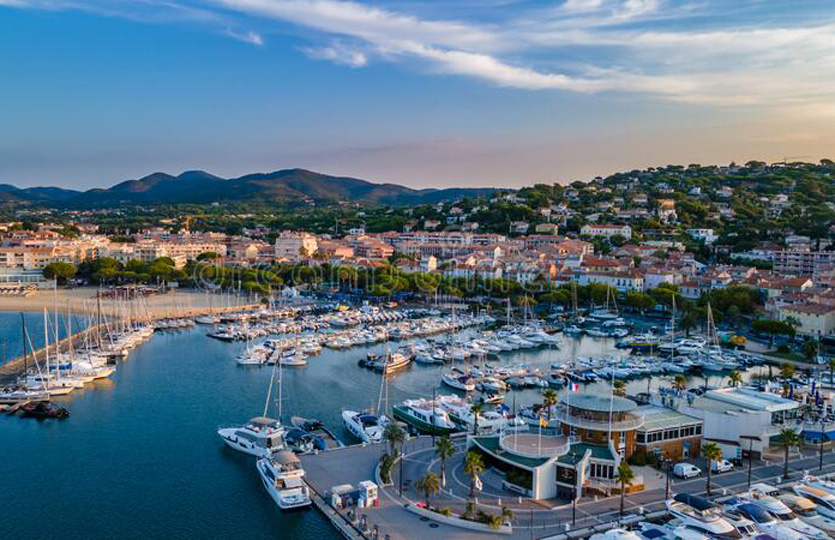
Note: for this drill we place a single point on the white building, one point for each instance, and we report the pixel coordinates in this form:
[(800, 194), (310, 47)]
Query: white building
[(292, 245), (705, 235), (607, 231)]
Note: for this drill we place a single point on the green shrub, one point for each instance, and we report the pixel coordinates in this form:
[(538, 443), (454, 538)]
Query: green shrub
[(783, 349)]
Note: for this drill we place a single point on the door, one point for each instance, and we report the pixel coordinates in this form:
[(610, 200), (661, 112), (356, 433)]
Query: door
[(686, 449)]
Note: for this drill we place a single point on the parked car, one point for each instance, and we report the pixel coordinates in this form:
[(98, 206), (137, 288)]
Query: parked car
[(686, 470), (722, 465)]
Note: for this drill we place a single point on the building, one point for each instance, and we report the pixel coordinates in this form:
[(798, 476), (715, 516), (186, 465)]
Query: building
[(815, 319), (738, 419), (704, 235), (803, 262), (546, 228), (627, 281), (668, 433), (607, 231), (294, 246), (579, 451)]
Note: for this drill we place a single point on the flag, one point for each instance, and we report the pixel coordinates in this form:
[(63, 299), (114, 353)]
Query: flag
[(542, 422), (574, 387)]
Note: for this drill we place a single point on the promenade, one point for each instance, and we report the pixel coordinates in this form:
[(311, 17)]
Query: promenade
[(532, 519)]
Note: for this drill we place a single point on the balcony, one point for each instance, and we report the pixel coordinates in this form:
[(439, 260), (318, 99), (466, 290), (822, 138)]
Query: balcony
[(627, 421)]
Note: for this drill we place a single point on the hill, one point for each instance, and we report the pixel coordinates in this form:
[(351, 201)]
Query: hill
[(288, 186)]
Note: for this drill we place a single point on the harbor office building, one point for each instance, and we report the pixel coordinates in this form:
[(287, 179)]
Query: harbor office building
[(738, 419), (592, 434)]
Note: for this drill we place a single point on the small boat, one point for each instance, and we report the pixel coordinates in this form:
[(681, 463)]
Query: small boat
[(458, 381), (323, 438), (282, 477), (260, 437), (42, 410), (366, 427)]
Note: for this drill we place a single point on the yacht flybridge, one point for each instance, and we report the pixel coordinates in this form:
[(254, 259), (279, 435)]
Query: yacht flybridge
[(260, 437), (702, 515), (366, 427), (282, 476)]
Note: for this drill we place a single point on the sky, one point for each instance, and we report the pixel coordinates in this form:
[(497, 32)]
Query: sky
[(425, 93)]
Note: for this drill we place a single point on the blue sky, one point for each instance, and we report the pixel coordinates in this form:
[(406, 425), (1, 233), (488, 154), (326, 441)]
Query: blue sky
[(424, 93)]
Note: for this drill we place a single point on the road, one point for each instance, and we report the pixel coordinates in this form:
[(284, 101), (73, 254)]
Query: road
[(538, 519)]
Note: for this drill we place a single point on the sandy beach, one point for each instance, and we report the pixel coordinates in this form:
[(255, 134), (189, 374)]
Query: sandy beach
[(83, 300)]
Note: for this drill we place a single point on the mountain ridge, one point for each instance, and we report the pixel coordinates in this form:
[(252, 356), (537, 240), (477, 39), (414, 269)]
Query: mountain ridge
[(289, 186)]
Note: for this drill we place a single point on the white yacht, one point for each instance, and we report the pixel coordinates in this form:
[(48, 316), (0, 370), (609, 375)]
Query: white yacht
[(367, 427), (460, 411), (260, 437), (807, 510), (615, 534), (701, 515), (669, 531), (206, 319), (282, 476), (426, 416), (763, 520), (765, 496), (824, 500), (459, 381)]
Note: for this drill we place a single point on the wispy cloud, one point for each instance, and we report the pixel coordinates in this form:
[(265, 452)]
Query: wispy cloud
[(712, 51)]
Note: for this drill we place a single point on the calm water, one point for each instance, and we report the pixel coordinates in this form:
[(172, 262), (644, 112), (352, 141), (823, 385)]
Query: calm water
[(139, 457), (11, 335)]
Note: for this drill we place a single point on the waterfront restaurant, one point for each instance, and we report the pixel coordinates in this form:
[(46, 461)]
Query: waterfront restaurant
[(668, 433), (595, 433)]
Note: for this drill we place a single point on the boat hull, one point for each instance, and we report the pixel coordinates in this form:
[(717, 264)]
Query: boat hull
[(423, 427)]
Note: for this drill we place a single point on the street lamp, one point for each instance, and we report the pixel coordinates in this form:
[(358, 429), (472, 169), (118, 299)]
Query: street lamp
[(823, 434), (750, 439)]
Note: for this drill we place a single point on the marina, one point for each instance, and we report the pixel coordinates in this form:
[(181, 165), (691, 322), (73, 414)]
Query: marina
[(207, 388)]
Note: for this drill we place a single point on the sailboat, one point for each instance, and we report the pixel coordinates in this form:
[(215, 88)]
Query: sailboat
[(261, 436)]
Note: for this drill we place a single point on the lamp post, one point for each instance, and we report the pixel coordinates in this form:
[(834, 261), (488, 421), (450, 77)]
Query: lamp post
[(823, 434), (751, 440), (667, 491), (574, 499)]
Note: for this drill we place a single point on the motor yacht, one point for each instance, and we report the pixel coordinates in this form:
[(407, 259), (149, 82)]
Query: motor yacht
[(701, 515), (763, 520), (282, 476), (615, 534), (668, 531), (807, 510), (459, 381), (765, 496), (260, 437), (824, 500), (366, 427), (426, 416)]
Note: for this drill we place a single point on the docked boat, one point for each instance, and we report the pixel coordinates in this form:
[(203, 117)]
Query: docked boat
[(461, 412), (43, 410), (323, 438), (615, 534), (366, 427), (763, 521), (812, 506), (701, 515), (459, 381), (824, 500), (260, 437), (765, 496), (292, 358), (283, 478), (426, 416)]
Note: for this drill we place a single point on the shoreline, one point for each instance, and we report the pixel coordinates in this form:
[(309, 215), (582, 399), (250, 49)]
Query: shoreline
[(83, 300)]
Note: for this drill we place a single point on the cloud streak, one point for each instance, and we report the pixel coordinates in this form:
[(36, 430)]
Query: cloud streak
[(711, 52)]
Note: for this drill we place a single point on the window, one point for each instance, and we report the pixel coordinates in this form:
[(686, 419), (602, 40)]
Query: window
[(699, 429), (640, 437)]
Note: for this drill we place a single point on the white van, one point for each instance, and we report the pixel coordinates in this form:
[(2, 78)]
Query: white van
[(686, 470), (722, 465)]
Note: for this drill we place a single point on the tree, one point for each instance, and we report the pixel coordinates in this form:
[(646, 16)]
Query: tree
[(208, 256), (639, 301), (59, 271), (430, 485), (735, 378), (689, 321), (445, 450), (810, 349), (476, 409), (679, 382), (711, 452), (619, 388), (473, 466), (788, 438), (772, 327), (395, 436), (625, 476), (549, 399), (787, 370)]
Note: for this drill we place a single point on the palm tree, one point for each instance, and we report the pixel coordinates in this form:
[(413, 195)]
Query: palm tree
[(507, 514), (473, 465), (549, 399), (679, 382), (787, 370), (445, 450), (735, 378), (625, 476), (711, 452), (476, 409), (395, 436), (430, 485), (619, 388), (788, 438)]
